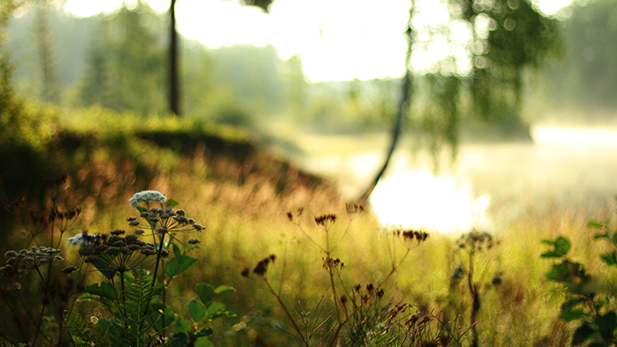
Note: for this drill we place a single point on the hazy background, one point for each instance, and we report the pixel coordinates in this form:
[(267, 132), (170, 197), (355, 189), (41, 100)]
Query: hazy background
[(318, 84)]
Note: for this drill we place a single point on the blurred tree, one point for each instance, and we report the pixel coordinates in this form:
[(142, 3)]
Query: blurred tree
[(253, 74), (125, 68), (46, 61), (587, 80), (174, 82), (296, 86), (509, 37)]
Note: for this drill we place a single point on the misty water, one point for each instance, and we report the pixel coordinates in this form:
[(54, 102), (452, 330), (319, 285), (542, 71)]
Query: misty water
[(488, 185)]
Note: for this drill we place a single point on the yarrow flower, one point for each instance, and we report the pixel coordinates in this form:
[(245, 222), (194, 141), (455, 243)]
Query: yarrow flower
[(147, 196), (82, 238)]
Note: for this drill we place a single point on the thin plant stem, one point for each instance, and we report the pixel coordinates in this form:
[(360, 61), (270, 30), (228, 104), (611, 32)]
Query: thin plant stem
[(21, 329), (373, 293), (293, 322)]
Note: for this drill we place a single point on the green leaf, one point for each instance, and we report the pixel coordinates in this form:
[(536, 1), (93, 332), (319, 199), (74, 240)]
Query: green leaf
[(606, 325), (583, 332), (572, 315), (179, 339), (602, 236), (103, 289), (176, 249), (609, 258), (197, 310), (214, 308), (615, 239), (172, 203), (102, 324), (594, 224), (203, 341), (178, 264), (141, 209), (159, 310), (224, 289), (205, 292), (182, 326), (204, 332), (559, 273), (103, 266), (561, 247), (223, 313)]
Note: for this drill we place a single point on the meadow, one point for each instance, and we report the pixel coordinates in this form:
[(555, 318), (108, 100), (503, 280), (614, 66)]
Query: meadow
[(307, 268)]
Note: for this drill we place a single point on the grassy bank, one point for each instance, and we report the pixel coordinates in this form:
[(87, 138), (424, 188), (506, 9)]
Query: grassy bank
[(254, 205)]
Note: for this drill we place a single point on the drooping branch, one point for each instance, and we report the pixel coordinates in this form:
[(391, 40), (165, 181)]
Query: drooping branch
[(403, 106)]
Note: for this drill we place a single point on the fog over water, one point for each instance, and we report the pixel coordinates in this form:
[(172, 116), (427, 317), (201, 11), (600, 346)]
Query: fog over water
[(488, 184)]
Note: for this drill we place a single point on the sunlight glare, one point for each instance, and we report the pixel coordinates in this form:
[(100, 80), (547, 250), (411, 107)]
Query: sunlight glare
[(337, 40), (417, 199)]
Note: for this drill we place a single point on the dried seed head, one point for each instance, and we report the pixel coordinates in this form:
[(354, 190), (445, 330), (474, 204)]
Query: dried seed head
[(69, 269), (147, 250), (194, 241), (91, 258), (322, 220), (245, 272), (117, 232)]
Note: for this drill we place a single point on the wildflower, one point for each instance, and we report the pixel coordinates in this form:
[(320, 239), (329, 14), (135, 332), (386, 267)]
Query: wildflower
[(84, 238), (147, 196)]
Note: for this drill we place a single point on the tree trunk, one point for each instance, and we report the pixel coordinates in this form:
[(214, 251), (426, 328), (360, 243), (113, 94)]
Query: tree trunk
[(401, 112), (174, 83)]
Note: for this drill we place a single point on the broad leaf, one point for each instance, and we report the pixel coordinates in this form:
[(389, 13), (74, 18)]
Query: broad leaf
[(214, 308), (205, 292), (572, 315), (584, 332), (103, 289), (594, 224), (224, 289), (179, 339), (606, 325), (197, 310), (561, 247), (182, 326), (172, 203), (203, 341), (178, 264), (609, 258)]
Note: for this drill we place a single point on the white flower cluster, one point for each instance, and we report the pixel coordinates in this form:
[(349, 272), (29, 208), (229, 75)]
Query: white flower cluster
[(79, 239), (147, 196)]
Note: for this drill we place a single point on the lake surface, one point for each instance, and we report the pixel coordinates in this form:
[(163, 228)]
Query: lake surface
[(487, 184)]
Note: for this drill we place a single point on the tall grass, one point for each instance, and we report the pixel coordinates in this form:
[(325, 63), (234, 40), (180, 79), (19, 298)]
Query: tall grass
[(243, 196)]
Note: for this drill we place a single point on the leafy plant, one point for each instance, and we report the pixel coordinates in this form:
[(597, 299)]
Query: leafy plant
[(359, 315), (130, 303), (586, 303)]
